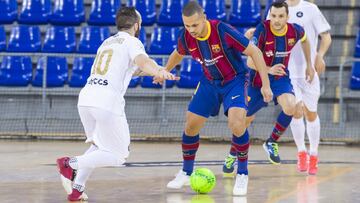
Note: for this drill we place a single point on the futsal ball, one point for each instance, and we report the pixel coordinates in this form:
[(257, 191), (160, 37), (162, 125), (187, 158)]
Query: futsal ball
[(202, 180)]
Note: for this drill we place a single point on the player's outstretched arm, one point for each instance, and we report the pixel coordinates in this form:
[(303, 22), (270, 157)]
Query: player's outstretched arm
[(151, 68), (325, 43), (258, 62), (309, 67), (174, 59)]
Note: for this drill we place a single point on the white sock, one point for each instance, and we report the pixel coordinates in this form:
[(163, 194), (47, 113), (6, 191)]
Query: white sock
[(313, 131), (298, 131), (83, 175)]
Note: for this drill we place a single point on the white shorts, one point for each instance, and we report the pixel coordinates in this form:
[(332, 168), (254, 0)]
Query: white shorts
[(108, 131), (308, 93)]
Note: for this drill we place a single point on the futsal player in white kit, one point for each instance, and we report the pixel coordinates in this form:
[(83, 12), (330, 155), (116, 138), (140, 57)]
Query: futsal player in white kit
[(307, 94), (101, 103)]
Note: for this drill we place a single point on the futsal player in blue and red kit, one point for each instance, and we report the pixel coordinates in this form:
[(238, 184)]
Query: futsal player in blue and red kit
[(275, 38), (218, 47)]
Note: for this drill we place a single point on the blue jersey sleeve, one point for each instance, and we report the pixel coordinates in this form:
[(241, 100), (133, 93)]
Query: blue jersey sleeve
[(258, 38), (300, 32), (181, 44)]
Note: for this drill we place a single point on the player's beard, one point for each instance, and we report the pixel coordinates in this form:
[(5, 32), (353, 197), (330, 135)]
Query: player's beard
[(137, 33)]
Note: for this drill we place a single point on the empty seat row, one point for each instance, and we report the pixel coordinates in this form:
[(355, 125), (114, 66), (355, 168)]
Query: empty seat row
[(17, 71), (103, 12), (59, 39)]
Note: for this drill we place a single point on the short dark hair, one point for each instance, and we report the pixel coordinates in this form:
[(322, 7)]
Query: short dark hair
[(191, 8), (280, 4), (126, 17)]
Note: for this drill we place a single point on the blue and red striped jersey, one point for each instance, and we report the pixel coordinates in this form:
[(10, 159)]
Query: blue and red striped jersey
[(276, 47), (219, 52)]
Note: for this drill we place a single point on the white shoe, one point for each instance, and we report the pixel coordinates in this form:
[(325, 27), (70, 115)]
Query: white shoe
[(241, 183), (67, 184), (180, 180)]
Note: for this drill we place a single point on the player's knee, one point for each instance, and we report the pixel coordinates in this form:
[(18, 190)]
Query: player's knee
[(249, 120), (192, 129), (290, 109), (311, 116), (237, 127), (298, 112)]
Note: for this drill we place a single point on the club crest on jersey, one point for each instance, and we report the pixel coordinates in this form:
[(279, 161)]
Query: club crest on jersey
[(215, 48), (291, 41)]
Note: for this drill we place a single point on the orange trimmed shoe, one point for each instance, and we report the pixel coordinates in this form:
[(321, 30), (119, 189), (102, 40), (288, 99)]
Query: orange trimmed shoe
[(313, 165), (302, 162)]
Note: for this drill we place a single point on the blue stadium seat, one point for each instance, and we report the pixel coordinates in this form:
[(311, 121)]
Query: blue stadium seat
[(163, 40), (147, 80), (60, 39), (57, 72), (147, 9), (103, 12), (91, 38), (35, 12), (2, 38), (190, 74), (355, 77), (357, 45), (245, 13), (214, 9), (8, 11), (25, 38), (80, 71), (15, 71), (134, 82), (268, 4), (170, 12), (68, 12), (142, 37)]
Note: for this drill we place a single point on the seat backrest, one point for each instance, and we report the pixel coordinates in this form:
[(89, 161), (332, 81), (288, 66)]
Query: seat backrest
[(2, 38), (35, 11), (357, 45), (143, 37), (24, 38), (245, 12), (8, 11), (103, 12), (68, 12), (80, 71), (91, 38), (163, 40), (355, 77), (147, 9), (214, 9), (170, 12), (60, 39), (57, 71), (15, 71)]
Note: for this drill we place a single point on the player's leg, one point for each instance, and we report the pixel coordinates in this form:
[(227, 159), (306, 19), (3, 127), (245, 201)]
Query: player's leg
[(111, 138), (287, 102), (311, 98), (68, 175), (200, 108), (297, 126), (255, 103)]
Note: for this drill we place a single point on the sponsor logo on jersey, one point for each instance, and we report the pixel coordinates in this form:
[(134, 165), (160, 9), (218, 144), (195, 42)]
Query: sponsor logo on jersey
[(192, 49), (268, 43), (97, 81), (215, 48), (269, 53), (282, 53)]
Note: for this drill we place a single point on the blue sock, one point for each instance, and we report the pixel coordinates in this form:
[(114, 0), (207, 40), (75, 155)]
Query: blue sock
[(241, 144), (190, 145), (282, 123)]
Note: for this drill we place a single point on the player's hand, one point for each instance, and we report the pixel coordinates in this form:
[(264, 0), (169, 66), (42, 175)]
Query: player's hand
[(310, 72), (249, 33), (267, 93), (158, 80), (277, 69), (166, 75), (320, 64)]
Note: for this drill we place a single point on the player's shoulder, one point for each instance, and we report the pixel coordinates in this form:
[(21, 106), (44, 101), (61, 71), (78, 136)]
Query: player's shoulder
[(309, 6)]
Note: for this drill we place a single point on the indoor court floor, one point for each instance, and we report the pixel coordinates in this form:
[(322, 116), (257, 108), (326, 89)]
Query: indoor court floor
[(28, 174)]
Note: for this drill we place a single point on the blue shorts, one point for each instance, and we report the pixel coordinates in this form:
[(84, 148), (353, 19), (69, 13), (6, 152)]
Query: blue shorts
[(278, 87), (209, 95)]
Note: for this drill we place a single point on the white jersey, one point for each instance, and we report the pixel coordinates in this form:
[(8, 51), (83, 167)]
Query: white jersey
[(314, 23), (111, 73)]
